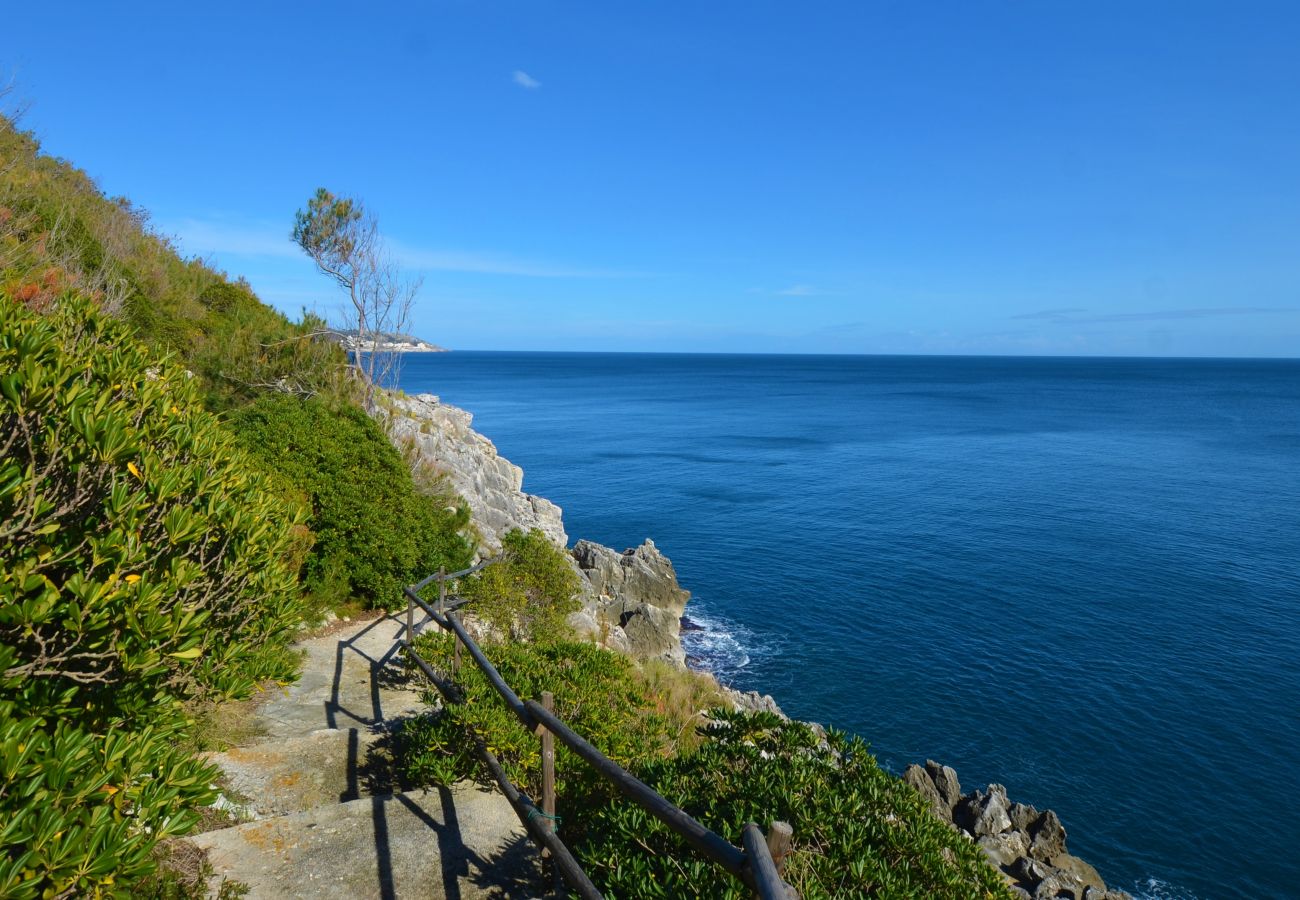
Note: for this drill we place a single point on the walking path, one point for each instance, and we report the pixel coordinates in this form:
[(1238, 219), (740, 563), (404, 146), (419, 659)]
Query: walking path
[(327, 819)]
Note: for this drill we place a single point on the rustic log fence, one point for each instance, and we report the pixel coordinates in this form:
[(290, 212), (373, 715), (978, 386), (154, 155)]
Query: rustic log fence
[(758, 865)]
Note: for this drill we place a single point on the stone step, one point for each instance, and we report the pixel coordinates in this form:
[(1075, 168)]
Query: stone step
[(461, 842), (330, 765), (350, 679)]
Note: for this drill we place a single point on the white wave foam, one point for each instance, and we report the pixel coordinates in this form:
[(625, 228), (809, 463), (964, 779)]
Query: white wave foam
[(715, 644), (1155, 889)]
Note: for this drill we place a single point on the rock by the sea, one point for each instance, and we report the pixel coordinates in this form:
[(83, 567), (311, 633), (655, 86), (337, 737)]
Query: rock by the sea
[(492, 485), (635, 604), (1027, 846)]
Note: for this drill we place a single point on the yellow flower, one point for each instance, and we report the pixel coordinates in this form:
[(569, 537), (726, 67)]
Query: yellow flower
[(130, 467), (132, 579)]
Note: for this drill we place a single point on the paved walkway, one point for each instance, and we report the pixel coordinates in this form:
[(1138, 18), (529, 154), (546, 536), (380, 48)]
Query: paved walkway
[(326, 818)]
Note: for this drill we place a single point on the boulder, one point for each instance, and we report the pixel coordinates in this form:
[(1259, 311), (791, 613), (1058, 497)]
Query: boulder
[(1029, 872), (1080, 871), (652, 632), (1048, 837), (1005, 848), (983, 813), (1023, 816), (753, 701), (946, 783), (641, 574), (920, 779), (631, 601)]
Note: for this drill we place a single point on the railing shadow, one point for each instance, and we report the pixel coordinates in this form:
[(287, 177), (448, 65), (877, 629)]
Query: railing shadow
[(374, 773)]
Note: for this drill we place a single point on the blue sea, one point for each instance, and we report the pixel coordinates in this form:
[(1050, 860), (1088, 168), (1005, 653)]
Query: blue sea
[(1077, 577)]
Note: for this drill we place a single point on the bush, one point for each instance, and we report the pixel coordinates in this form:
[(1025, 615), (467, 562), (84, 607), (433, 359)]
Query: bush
[(374, 532), (144, 562), (529, 594), (858, 831), (597, 692)]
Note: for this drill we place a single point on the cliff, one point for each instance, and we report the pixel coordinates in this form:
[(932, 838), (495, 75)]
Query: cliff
[(631, 601)]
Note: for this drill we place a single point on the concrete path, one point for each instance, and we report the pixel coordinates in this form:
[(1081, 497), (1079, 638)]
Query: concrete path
[(327, 818)]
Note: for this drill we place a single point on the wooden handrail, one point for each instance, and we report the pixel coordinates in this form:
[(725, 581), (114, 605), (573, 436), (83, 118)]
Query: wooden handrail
[(754, 865)]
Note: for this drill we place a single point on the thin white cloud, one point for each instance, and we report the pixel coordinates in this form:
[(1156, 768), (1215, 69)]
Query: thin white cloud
[(524, 80), (1074, 316), (799, 290), (434, 260), (201, 238)]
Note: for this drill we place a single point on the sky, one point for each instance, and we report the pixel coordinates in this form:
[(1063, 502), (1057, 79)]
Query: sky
[(1047, 177)]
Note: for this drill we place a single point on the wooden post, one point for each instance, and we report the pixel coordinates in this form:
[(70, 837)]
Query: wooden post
[(410, 620), (548, 766), (780, 838)]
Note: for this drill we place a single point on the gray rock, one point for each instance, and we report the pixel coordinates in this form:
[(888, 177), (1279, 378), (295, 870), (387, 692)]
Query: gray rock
[(1053, 887), (641, 574), (1029, 872), (753, 701), (1023, 816), (920, 779), (945, 782), (1080, 871), (631, 601), (981, 813), (652, 633), (1005, 848), (442, 442), (1048, 836)]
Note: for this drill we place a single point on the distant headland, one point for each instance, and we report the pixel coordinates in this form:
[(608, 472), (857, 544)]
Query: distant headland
[(386, 342)]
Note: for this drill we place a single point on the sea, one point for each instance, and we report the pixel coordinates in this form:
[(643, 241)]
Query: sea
[(1076, 577)]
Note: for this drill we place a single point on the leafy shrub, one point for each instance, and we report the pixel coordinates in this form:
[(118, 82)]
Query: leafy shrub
[(529, 593), (858, 831), (83, 809), (374, 532), (143, 562), (597, 692)]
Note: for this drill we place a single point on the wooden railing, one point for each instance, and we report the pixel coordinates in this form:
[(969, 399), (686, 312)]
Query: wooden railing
[(758, 865)]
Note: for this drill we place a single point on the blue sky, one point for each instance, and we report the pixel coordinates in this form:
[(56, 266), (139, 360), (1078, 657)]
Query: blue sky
[(967, 177)]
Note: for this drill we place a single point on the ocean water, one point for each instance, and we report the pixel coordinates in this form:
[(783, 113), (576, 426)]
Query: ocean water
[(1077, 577)]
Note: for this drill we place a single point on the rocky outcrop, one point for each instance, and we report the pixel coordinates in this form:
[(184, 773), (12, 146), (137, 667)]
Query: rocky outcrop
[(492, 485), (631, 601), (635, 604), (1026, 845)]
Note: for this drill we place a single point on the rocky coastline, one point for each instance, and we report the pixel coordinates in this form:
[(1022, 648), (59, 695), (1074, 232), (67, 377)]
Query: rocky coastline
[(632, 603)]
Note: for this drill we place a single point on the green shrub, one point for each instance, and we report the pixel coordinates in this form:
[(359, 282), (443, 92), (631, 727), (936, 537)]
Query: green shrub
[(529, 594), (597, 692), (374, 532), (144, 562), (858, 831)]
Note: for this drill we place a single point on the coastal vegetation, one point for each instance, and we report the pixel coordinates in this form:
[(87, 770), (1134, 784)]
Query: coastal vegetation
[(374, 531), (150, 565), (859, 831), (144, 565)]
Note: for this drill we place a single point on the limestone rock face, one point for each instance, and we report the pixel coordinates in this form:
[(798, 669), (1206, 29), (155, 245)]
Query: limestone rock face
[(945, 782), (490, 483), (634, 604), (753, 701), (920, 779), (641, 574), (1027, 846)]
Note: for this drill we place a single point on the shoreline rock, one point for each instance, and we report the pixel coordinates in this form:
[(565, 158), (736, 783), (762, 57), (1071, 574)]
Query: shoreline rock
[(1027, 846)]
